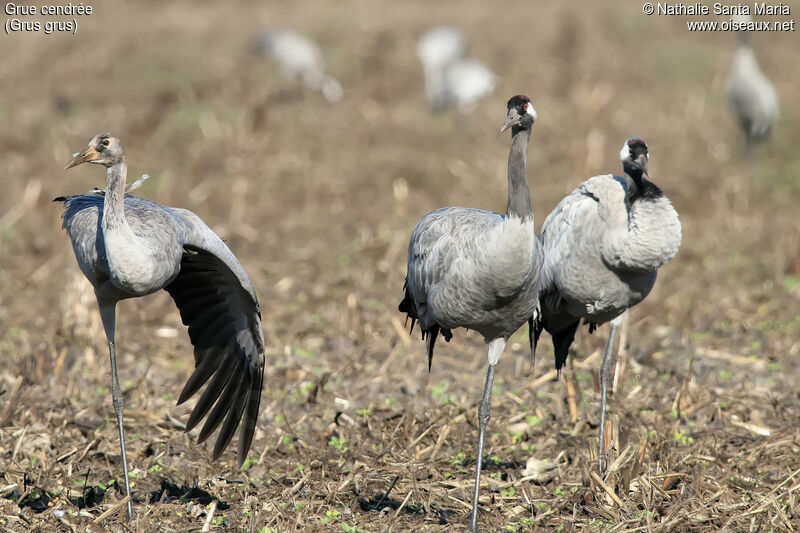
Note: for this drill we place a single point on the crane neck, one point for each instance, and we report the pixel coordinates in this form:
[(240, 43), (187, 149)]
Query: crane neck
[(114, 203), (519, 194), (634, 175), (639, 186)]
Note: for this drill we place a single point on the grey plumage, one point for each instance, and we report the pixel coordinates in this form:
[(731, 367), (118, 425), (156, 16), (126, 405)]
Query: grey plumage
[(752, 94), (478, 269), (465, 270), (603, 245), (128, 246)]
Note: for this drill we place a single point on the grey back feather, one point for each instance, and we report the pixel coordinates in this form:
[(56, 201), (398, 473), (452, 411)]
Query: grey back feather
[(156, 226), (463, 273), (602, 253)]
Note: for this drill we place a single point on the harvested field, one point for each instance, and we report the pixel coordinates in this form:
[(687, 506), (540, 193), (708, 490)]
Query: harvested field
[(318, 201)]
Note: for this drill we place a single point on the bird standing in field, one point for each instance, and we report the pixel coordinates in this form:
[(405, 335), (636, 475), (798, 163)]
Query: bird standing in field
[(451, 79), (751, 93), (129, 246), (479, 270), (299, 58), (603, 245)]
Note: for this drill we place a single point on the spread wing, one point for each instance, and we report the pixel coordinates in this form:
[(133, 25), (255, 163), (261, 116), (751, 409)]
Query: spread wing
[(217, 301)]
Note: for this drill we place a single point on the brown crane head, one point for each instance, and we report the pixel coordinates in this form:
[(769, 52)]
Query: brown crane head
[(104, 149)]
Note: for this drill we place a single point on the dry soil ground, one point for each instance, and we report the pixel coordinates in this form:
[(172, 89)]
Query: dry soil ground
[(319, 200)]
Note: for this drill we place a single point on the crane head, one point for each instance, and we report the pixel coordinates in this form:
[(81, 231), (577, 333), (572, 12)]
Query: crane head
[(634, 156), (104, 149), (635, 150), (521, 113)]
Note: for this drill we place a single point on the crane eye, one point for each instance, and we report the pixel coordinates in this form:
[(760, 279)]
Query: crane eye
[(105, 142), (525, 107)]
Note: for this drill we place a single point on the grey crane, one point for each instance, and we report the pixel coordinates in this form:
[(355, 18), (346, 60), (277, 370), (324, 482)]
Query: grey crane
[(479, 270), (450, 78), (751, 93), (603, 245), (129, 246), (299, 58)]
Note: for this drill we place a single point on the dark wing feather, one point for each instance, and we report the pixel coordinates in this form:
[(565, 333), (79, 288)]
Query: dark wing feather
[(534, 331), (225, 329)]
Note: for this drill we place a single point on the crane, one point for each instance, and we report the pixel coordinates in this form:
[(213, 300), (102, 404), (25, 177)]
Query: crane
[(752, 95), (479, 270), (603, 245), (299, 57), (127, 247), (450, 78)]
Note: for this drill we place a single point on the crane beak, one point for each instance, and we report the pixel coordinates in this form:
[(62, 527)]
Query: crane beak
[(512, 119), (88, 155), (642, 161)]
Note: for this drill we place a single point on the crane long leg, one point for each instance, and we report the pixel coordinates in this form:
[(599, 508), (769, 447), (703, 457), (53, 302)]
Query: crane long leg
[(108, 315), (605, 374), (496, 348), (484, 413)]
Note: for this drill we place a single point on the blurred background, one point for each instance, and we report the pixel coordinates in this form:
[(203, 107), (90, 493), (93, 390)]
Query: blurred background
[(317, 194)]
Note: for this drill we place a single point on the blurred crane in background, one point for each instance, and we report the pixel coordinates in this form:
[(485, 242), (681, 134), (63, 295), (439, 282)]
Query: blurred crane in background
[(452, 80), (299, 58), (751, 93)]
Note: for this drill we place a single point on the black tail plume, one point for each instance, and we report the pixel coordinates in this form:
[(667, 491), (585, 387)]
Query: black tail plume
[(430, 335), (535, 327), (561, 343), (408, 307)]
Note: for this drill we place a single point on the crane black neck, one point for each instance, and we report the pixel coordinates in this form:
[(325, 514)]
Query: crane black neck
[(639, 186), (519, 194), (634, 171)]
